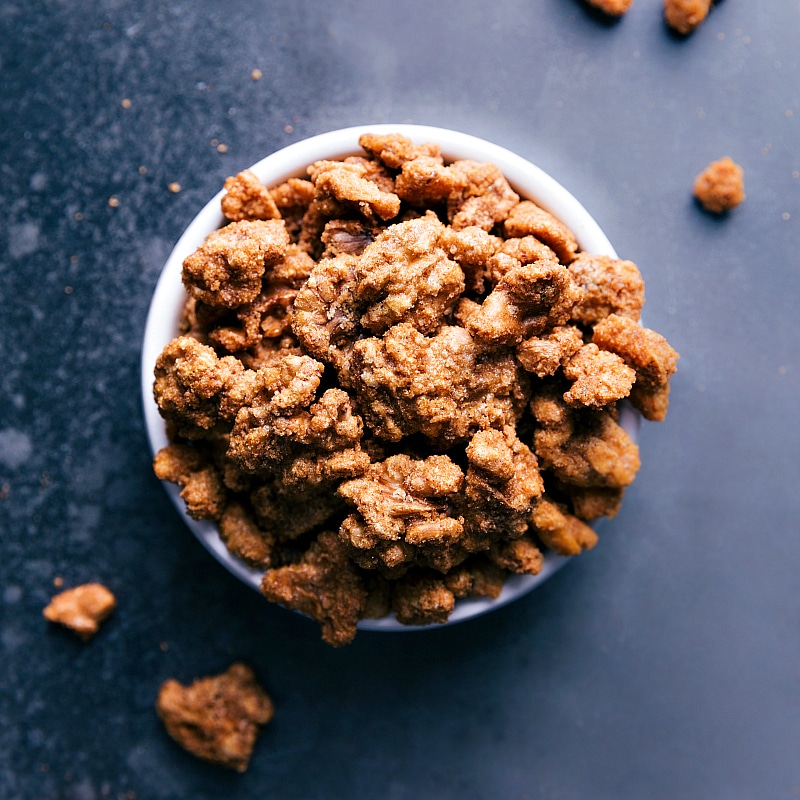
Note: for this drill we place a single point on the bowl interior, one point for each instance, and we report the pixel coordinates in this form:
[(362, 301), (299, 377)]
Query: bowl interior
[(164, 315)]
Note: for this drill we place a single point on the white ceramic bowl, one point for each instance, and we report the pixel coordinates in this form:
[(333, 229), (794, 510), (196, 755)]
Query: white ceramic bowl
[(165, 309)]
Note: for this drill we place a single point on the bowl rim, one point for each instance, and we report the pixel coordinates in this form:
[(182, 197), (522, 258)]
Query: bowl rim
[(164, 313)]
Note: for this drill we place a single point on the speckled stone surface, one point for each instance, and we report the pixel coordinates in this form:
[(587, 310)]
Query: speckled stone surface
[(664, 664)]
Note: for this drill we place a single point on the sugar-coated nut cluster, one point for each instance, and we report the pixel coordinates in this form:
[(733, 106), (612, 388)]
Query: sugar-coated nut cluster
[(720, 186), (218, 718), (397, 383), (81, 609)]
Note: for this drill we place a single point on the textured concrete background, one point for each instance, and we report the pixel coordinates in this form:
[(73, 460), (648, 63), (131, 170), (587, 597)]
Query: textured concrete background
[(664, 664)]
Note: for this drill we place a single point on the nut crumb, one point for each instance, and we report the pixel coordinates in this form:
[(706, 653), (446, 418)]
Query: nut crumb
[(82, 608), (256, 74), (113, 201), (174, 187), (126, 103)]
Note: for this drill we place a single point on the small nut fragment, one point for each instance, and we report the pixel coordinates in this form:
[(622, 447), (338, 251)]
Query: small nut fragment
[(217, 718), (613, 8), (683, 16), (720, 186), (82, 608)]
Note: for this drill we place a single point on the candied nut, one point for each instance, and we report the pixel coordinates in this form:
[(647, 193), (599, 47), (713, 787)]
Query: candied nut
[(648, 353), (591, 502), (476, 577), (683, 16), (325, 585), (81, 609), (484, 198), (598, 377), (202, 488), (425, 181), (528, 299), (610, 286), (292, 200), (218, 718), (350, 183), (473, 249), (446, 386), (326, 312), (190, 384), (406, 513), (613, 8), (244, 538), (543, 355), (502, 483), (395, 150), (583, 447), (528, 219), (226, 270), (405, 275), (720, 186), (247, 198), (520, 556), (561, 532), (422, 600)]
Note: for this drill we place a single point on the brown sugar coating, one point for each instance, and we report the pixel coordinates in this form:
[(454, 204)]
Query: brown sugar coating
[(610, 286), (397, 383), (219, 718), (226, 270), (325, 585), (81, 609), (683, 16), (720, 186)]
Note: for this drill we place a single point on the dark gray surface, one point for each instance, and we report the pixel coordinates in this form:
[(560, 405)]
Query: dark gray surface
[(664, 664)]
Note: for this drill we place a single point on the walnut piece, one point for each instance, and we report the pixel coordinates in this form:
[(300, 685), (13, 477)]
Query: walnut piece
[(683, 16), (81, 608), (720, 186), (325, 585), (218, 718), (226, 270)]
